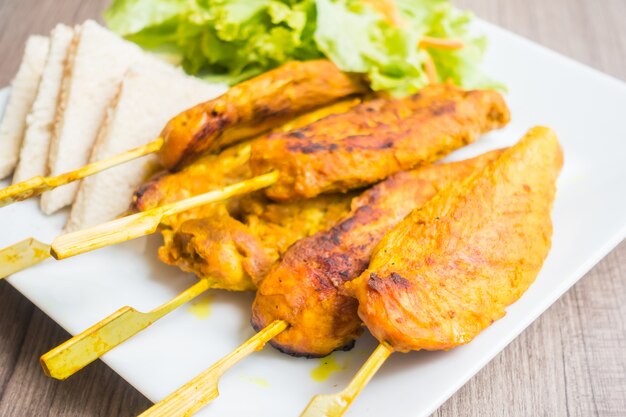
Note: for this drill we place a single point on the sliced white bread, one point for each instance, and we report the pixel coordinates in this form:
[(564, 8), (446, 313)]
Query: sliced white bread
[(40, 121), (148, 97), (97, 63), (23, 91)]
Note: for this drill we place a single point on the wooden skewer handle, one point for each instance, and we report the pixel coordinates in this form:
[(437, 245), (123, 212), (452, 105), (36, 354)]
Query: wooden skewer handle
[(84, 348), (22, 255), (201, 390), (145, 223), (37, 185)]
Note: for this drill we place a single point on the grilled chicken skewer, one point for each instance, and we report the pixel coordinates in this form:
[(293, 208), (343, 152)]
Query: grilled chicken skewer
[(225, 253), (204, 175), (29, 252), (450, 268), (518, 188), (228, 167), (211, 248), (308, 277), (207, 243), (368, 143), (236, 253), (305, 287), (244, 111), (376, 139)]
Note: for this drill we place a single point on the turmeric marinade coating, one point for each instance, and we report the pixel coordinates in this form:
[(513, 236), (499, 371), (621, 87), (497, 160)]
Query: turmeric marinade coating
[(253, 107), (233, 243), (235, 253), (305, 287), (451, 268), (375, 139), (208, 173), (213, 171)]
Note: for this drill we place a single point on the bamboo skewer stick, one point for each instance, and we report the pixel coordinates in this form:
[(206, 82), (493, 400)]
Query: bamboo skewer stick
[(191, 397), (29, 252), (22, 255), (84, 348), (144, 223), (37, 185), (335, 405)]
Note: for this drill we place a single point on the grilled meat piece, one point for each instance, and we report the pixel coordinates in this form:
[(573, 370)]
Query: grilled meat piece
[(305, 287), (214, 171), (206, 174), (451, 268), (375, 139), (236, 254), (253, 107)]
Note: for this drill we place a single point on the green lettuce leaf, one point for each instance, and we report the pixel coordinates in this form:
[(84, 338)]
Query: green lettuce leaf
[(128, 17), (358, 39), (232, 40)]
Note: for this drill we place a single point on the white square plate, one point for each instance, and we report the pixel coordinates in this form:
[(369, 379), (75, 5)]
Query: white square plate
[(588, 111)]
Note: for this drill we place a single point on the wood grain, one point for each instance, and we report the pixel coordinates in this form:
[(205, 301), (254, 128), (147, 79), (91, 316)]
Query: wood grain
[(570, 362)]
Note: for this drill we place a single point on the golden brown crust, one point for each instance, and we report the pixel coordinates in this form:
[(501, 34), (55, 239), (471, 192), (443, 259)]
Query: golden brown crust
[(217, 248), (253, 107), (451, 268), (236, 254), (304, 288), (214, 171), (375, 139), (206, 174)]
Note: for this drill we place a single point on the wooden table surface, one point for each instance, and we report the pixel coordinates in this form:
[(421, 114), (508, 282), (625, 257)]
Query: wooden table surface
[(572, 361)]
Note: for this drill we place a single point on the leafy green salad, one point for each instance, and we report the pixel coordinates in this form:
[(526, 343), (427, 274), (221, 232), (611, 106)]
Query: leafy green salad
[(233, 40)]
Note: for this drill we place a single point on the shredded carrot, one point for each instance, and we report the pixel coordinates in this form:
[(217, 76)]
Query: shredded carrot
[(387, 8), (430, 69), (450, 44)]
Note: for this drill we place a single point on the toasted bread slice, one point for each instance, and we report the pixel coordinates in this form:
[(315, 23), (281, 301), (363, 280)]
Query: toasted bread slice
[(40, 121), (97, 62), (148, 96), (23, 91)]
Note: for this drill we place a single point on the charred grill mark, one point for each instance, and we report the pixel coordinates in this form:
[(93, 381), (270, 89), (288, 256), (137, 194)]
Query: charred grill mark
[(214, 125), (291, 352), (399, 281), (324, 282), (349, 223), (440, 109), (362, 215), (140, 192), (137, 203), (256, 323), (354, 143), (350, 144), (375, 282), (334, 235), (380, 284), (298, 134), (332, 238), (264, 111), (416, 97), (339, 267), (312, 147)]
